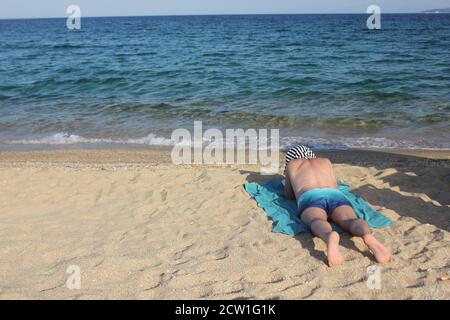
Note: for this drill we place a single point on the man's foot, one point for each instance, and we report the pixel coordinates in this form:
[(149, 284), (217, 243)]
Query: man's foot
[(381, 253), (334, 256)]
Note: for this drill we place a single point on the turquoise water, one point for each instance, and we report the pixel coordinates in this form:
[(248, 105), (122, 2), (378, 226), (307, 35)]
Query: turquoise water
[(321, 79)]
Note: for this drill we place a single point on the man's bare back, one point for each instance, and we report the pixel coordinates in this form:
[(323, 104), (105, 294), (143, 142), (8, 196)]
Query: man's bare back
[(307, 174)]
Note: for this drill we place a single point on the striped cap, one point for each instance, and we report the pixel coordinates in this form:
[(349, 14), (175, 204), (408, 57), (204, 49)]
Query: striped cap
[(299, 152)]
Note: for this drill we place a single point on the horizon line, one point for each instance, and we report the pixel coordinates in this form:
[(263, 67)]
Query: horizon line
[(223, 14)]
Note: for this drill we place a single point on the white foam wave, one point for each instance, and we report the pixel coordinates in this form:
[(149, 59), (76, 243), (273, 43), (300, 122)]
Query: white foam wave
[(346, 143), (67, 138)]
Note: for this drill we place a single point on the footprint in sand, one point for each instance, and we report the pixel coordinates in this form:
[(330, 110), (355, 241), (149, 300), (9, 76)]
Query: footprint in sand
[(97, 197), (135, 178), (112, 188), (150, 281), (203, 177), (163, 195), (181, 235)]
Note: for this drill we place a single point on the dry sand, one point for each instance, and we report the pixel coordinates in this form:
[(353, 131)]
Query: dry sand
[(141, 228)]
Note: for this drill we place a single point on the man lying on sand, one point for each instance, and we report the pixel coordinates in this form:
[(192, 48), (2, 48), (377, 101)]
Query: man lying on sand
[(312, 182)]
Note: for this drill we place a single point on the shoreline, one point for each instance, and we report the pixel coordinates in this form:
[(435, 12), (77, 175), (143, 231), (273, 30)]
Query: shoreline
[(138, 154)]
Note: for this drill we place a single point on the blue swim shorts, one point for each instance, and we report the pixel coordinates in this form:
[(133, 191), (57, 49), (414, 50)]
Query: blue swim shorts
[(327, 199)]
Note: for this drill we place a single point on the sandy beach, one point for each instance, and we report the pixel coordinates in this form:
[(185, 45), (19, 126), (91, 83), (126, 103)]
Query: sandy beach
[(139, 227)]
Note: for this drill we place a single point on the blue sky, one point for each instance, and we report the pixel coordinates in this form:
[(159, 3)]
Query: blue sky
[(57, 8)]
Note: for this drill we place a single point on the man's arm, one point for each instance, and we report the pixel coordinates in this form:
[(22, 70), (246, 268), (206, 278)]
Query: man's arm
[(288, 191)]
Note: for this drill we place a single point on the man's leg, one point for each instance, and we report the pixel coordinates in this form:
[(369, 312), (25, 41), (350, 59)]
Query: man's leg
[(345, 217), (316, 219)]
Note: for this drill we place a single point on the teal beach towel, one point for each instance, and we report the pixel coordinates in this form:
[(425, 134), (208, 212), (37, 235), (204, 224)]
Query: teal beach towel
[(283, 212)]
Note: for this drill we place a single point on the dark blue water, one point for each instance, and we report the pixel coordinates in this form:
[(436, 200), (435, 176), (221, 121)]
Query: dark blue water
[(322, 79)]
